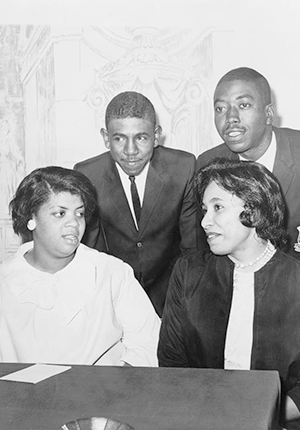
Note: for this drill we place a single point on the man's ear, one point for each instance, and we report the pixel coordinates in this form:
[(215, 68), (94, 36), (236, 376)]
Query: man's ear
[(104, 135), (157, 134), (269, 114)]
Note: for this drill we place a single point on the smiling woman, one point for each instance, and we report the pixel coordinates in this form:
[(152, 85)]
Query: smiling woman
[(62, 302), (237, 306)]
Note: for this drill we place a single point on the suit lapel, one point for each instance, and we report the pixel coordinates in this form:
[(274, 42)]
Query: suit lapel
[(284, 162), (117, 195), (153, 189)]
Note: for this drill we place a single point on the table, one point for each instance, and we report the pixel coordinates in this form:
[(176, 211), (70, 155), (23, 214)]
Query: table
[(146, 398)]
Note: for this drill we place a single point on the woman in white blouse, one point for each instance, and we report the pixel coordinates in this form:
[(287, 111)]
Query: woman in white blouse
[(237, 306), (60, 301)]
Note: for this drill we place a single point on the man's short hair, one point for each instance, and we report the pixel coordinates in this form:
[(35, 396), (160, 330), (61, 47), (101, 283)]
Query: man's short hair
[(249, 75), (130, 104)]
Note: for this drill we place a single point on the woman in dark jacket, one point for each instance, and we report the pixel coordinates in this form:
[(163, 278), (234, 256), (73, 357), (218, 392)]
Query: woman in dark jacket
[(238, 305)]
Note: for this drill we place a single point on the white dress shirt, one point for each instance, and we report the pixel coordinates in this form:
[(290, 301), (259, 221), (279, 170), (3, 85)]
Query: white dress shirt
[(140, 182), (268, 158)]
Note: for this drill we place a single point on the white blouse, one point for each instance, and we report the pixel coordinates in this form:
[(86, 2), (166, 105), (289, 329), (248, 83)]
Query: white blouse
[(91, 312), (239, 336)]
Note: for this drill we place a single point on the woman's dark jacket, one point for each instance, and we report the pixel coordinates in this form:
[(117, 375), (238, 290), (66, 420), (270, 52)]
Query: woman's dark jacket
[(197, 311)]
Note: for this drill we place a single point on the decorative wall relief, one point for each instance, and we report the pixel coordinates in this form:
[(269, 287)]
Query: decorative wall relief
[(172, 69)]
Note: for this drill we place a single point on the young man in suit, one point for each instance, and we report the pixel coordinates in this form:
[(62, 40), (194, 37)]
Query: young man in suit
[(243, 117), (147, 211)]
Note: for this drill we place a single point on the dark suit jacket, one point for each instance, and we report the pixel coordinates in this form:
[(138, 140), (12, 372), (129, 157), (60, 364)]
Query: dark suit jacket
[(287, 171), (167, 223)]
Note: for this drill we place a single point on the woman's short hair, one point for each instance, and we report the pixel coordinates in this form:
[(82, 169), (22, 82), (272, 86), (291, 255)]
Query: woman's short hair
[(36, 189), (264, 207)]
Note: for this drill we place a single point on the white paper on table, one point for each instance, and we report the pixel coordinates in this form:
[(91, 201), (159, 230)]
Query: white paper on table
[(35, 373)]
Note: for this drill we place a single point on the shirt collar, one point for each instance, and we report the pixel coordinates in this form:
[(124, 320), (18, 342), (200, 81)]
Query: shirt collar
[(72, 285), (268, 158)]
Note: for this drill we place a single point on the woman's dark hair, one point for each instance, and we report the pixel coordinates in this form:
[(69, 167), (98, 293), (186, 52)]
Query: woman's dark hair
[(264, 207), (36, 189)]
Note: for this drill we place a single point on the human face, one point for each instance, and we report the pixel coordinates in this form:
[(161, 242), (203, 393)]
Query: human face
[(59, 225), (243, 118), (225, 233), (131, 142)]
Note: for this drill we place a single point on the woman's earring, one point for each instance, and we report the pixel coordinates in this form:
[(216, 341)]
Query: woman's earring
[(31, 225)]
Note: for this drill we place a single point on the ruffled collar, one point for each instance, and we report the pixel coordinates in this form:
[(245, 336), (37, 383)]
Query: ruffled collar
[(71, 286)]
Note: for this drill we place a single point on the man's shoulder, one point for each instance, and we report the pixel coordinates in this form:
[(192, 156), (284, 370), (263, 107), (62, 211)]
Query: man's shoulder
[(283, 132), (175, 154), (93, 161), (218, 151), (288, 140), (287, 130), (167, 152), (95, 167), (175, 164)]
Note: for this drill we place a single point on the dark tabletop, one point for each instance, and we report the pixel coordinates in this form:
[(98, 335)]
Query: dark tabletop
[(145, 398)]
